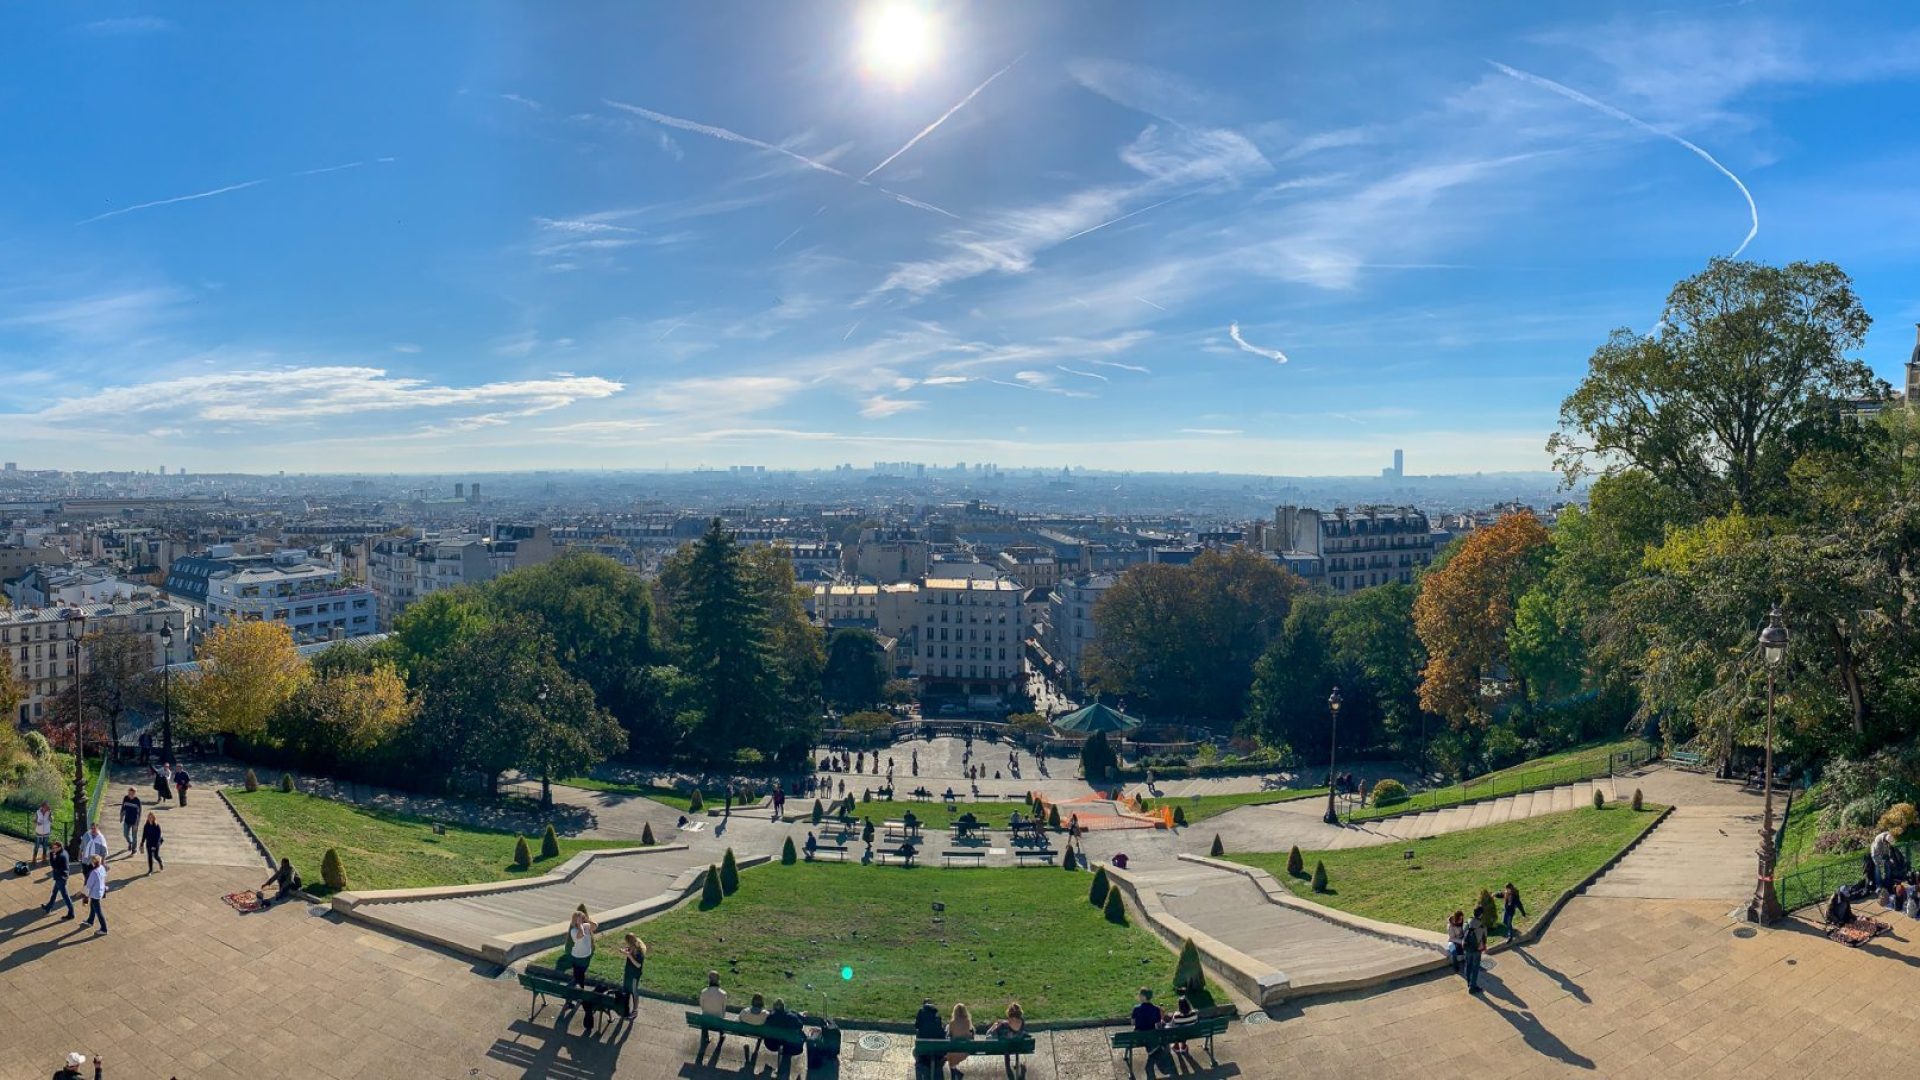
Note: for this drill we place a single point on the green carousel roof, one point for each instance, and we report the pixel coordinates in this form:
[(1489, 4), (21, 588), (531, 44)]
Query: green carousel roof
[(1096, 717)]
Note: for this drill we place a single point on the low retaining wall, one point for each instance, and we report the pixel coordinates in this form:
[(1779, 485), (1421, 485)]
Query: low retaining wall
[(1259, 982)]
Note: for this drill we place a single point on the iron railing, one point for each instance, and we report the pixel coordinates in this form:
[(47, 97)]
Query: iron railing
[(1501, 784), (1813, 884)]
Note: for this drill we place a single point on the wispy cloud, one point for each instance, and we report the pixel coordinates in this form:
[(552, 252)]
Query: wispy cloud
[(1233, 331), (1082, 374), (880, 406), (523, 102), (1118, 364), (944, 117), (130, 25), (714, 131), (1211, 431), (1753, 210)]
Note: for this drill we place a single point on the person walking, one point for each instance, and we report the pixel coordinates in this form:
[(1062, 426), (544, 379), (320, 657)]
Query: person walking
[(146, 749), (77, 1061), (92, 844), (181, 781), (58, 870), (1510, 906), (633, 965), (1476, 946), (42, 833), (580, 931), (97, 892), (150, 840), (162, 792), (130, 819)]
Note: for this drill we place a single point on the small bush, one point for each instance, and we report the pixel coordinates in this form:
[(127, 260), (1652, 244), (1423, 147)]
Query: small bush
[(1097, 892), (646, 834), (1599, 799), (522, 854), (697, 803), (1842, 841), (1218, 848), (1188, 977), (1899, 818), (1296, 863), (710, 891), (788, 854), (549, 843), (286, 782), (252, 782), (1179, 817), (1860, 813), (1489, 911), (866, 795), (1319, 876), (1053, 817), (818, 812), (1067, 861), (39, 747), (331, 872), (729, 874), (1115, 908), (1636, 800), (1389, 792)]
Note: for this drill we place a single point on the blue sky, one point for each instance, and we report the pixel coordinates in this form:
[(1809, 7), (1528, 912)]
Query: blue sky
[(1261, 237)]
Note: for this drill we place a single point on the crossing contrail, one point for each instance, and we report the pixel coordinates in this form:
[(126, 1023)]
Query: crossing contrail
[(929, 129)]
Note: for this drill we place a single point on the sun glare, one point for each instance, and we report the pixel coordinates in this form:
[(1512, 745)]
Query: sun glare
[(897, 40)]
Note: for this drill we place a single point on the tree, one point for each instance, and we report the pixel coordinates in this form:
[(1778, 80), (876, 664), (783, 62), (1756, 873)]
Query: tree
[(721, 634), (1188, 976), (1741, 379), (332, 873), (1465, 610), (788, 856), (434, 623), (1319, 876), (1182, 640), (549, 843), (342, 715), (248, 671), (119, 661), (729, 873), (799, 651), (12, 693), (855, 674), (1115, 908), (522, 854), (1287, 703), (1375, 648), (710, 893), (599, 616), (1097, 890)]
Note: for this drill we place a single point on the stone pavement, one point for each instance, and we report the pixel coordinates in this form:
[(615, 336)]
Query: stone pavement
[(203, 832)]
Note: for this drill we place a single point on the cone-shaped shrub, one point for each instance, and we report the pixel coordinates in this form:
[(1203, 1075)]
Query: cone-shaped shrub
[(1599, 799), (1053, 817), (332, 872), (710, 892), (1296, 865), (1116, 909), (522, 854), (697, 803), (729, 874), (866, 794), (1636, 799), (1097, 892), (1179, 817), (818, 811), (646, 834), (788, 856), (253, 782), (1188, 978), (286, 782), (866, 831), (1489, 911), (1319, 876), (1218, 848), (1067, 861), (549, 843)]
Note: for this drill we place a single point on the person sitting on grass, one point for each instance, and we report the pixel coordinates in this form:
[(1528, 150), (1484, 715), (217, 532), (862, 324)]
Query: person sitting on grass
[(1184, 1014)]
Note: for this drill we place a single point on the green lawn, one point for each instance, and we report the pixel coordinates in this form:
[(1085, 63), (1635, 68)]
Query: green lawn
[(1566, 766), (382, 849), (18, 820), (1543, 855), (933, 815), (680, 800), (863, 942), (1803, 875), (1199, 808)]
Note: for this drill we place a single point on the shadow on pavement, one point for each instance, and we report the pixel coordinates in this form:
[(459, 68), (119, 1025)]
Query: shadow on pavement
[(1532, 1032)]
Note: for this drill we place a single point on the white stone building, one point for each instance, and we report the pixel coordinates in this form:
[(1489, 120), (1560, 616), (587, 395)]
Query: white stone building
[(41, 643), (313, 599)]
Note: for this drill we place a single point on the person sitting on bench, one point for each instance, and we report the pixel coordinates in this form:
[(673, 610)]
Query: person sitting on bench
[(907, 852), (910, 822), (927, 1025), (785, 1032), (812, 845)]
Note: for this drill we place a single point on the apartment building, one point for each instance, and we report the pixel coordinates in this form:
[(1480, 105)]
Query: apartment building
[(313, 599), (1358, 548), (402, 570), (970, 638), (1067, 627), (45, 645)]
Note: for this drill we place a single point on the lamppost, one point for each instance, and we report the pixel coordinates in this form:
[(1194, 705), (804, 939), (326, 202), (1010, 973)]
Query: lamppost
[(546, 774), (79, 619), (1765, 907), (1333, 745), (166, 694)]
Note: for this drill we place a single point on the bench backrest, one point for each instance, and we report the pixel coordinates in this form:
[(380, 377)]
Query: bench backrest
[(1014, 1044)]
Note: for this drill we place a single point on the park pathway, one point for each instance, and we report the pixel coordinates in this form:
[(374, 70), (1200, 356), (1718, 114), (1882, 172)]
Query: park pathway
[(204, 832), (1703, 851)]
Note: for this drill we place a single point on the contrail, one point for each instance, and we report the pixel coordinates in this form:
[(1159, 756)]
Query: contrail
[(169, 202), (850, 330), (1149, 303), (669, 330), (1121, 218), (929, 129), (1121, 366), (1574, 95), (789, 236), (1083, 374), (1233, 331), (726, 135), (330, 168)]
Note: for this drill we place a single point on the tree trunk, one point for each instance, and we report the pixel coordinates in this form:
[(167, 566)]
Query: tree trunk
[(1850, 679)]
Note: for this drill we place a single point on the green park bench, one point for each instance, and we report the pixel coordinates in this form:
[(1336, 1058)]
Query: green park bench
[(1026, 855), (555, 985), (1149, 1041), (974, 857), (1691, 760), (825, 1040), (821, 851), (1000, 1046), (884, 856)]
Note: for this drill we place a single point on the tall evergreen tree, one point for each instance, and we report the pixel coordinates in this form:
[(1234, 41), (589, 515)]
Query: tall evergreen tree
[(722, 639)]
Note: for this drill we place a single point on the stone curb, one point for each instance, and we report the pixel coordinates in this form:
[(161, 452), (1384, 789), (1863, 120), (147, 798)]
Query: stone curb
[(1259, 982), (506, 948), (347, 902), (1416, 811), (258, 845), (1278, 893)]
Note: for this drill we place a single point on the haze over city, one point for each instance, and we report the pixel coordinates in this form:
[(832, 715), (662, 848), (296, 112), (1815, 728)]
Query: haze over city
[(1134, 236)]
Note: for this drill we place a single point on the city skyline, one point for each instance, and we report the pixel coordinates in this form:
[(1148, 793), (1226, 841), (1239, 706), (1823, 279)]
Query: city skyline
[(1235, 239)]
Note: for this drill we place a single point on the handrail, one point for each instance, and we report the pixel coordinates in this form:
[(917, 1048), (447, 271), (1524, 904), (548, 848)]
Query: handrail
[(1813, 884)]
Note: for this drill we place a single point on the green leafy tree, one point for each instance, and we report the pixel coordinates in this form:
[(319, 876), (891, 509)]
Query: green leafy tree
[(435, 623), (599, 617), (855, 672), (1465, 611), (720, 631)]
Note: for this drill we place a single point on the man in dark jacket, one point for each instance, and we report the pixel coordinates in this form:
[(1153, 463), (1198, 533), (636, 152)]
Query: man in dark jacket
[(928, 1025), (785, 1033), (57, 867)]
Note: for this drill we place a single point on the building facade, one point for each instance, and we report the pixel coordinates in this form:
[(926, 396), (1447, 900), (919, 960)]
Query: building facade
[(403, 570), (46, 646), (312, 599), (970, 638), (1358, 548), (1068, 627)]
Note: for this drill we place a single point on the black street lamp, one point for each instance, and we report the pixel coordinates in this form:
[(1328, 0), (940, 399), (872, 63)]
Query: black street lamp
[(166, 693), (1765, 907), (1333, 745)]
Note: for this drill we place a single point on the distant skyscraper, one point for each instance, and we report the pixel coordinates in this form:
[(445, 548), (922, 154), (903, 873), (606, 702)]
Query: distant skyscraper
[(1399, 463)]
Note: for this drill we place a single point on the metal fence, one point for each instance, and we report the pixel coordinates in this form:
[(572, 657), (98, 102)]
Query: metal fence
[(1502, 784), (1813, 884)]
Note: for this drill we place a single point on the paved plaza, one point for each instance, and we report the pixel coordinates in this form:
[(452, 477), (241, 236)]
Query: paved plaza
[(1653, 977)]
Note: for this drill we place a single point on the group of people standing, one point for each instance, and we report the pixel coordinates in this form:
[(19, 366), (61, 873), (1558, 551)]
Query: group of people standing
[(1467, 936), (91, 858)]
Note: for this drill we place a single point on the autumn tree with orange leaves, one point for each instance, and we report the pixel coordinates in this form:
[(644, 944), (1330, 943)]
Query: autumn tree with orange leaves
[(1465, 609)]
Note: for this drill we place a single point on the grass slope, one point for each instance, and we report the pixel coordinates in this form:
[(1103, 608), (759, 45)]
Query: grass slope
[(1543, 855), (1201, 807), (383, 849), (1564, 767), (1006, 935), (18, 820)]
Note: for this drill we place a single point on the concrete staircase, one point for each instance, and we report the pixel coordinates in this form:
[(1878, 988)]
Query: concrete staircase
[(204, 832), (1491, 812), (1701, 852)]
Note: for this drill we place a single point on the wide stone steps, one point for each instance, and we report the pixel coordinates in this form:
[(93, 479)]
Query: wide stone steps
[(1701, 852)]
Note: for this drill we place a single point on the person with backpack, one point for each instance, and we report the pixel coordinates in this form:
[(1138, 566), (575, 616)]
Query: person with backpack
[(1475, 948)]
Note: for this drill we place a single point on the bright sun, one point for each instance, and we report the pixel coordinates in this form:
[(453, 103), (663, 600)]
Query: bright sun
[(897, 39)]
